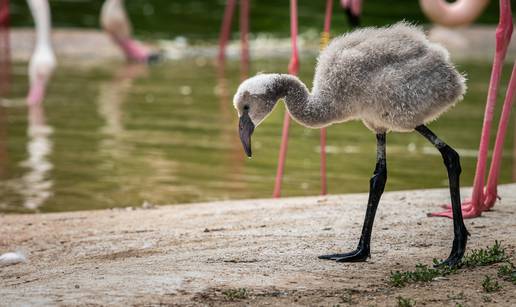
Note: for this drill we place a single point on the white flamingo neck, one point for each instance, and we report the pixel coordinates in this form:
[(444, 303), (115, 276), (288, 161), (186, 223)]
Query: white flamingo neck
[(41, 14), (114, 19)]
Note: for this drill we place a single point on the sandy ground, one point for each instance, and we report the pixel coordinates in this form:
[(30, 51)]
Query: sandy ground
[(92, 46), (197, 254)]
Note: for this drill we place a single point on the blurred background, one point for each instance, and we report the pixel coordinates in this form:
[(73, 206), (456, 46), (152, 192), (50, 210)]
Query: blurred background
[(116, 134), (199, 20)]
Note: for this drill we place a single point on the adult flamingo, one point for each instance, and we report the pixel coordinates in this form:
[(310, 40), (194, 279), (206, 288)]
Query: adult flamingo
[(461, 12), (43, 61), (115, 22)]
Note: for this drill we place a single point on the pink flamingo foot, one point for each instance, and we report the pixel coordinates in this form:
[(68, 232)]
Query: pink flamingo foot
[(136, 52), (490, 199), (465, 204), (36, 93), (469, 209), (447, 214), (468, 212)]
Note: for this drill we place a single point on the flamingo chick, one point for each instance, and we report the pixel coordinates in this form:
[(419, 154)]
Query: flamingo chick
[(393, 79)]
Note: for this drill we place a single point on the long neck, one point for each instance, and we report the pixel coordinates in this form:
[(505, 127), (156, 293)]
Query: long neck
[(309, 110), (458, 13), (41, 14), (114, 20)]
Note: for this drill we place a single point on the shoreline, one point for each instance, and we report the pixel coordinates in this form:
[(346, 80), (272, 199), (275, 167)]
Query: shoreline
[(192, 254), (91, 46)]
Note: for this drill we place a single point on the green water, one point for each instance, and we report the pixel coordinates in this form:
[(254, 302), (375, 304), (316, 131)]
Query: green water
[(117, 135)]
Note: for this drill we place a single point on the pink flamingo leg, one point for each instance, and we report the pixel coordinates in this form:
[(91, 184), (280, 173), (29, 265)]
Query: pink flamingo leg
[(356, 7), (116, 23), (36, 92), (225, 29), (293, 69), (324, 42), (244, 39), (494, 172), (324, 185), (282, 155), (475, 206), (133, 50)]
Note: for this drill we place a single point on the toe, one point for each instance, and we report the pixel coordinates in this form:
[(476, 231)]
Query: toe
[(335, 256), (447, 214)]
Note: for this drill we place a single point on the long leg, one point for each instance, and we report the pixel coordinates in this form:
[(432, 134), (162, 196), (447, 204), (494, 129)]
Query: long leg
[(496, 161), (244, 39), (376, 186), (293, 68), (225, 28), (325, 38), (115, 22), (452, 162), (475, 206)]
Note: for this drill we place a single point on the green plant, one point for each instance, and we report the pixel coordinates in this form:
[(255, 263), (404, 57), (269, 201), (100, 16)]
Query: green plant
[(507, 271), (422, 273), (482, 257), (479, 257), (490, 285), (236, 294), (487, 298), (405, 302)]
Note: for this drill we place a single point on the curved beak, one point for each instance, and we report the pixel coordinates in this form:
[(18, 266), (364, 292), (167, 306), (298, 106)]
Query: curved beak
[(245, 129)]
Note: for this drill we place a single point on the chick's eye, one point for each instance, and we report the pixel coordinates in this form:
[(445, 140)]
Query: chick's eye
[(246, 107)]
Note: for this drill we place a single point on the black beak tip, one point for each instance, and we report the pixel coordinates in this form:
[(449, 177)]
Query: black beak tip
[(246, 143), (246, 128)]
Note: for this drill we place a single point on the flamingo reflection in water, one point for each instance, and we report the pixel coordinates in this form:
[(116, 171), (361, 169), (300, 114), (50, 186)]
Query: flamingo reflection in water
[(36, 184)]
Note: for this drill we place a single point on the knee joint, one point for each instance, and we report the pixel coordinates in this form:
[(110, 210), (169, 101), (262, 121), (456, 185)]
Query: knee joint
[(451, 159)]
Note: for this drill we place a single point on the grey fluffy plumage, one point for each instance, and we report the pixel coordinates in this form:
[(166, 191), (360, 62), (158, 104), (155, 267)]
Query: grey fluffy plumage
[(391, 78)]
